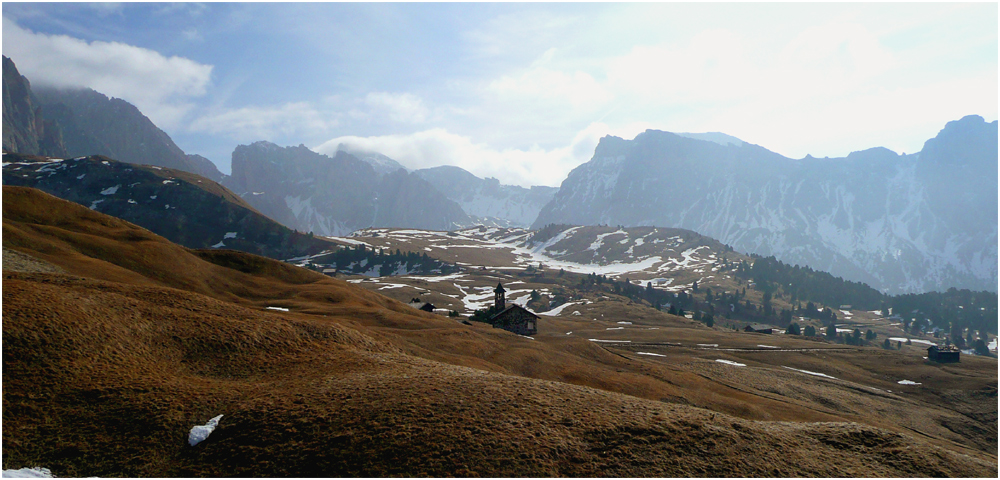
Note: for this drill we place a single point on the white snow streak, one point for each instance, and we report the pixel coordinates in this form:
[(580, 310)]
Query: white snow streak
[(201, 432)]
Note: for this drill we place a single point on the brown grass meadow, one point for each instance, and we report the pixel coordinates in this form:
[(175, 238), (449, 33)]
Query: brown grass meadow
[(108, 365)]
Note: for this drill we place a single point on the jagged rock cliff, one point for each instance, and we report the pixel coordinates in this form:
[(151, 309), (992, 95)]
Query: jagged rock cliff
[(486, 200), (901, 223), (25, 128), (336, 195), (93, 124)]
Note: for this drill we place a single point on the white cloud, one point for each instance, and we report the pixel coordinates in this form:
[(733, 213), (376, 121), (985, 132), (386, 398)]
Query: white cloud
[(246, 124), (526, 167), (399, 107), (161, 87), (575, 89)]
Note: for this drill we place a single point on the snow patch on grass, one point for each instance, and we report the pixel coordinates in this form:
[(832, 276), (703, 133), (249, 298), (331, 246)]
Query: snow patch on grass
[(807, 372), (908, 382), (111, 190), (199, 433), (441, 278), (650, 354), (280, 309), (559, 309), (914, 340), (33, 472), (730, 362)]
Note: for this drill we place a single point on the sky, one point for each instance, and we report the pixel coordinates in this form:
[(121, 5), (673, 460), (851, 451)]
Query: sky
[(521, 92)]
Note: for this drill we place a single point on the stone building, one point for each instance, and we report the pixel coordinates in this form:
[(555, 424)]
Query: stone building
[(513, 318)]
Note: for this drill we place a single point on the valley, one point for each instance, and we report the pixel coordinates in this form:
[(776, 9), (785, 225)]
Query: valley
[(329, 311), (133, 340)]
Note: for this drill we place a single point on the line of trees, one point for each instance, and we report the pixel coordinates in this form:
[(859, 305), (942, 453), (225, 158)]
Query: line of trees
[(358, 259), (805, 284)]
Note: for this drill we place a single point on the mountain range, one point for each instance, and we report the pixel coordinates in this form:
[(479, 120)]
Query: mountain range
[(487, 201), (60, 122), (901, 223), (182, 207), (335, 195)]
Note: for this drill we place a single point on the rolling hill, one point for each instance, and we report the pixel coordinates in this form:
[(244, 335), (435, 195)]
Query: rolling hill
[(183, 207), (109, 365)]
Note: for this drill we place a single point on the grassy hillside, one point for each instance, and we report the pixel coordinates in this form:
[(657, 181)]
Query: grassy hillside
[(109, 365), (185, 208)]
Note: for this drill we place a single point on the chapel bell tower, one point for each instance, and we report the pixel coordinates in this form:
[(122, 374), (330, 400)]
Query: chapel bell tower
[(499, 299)]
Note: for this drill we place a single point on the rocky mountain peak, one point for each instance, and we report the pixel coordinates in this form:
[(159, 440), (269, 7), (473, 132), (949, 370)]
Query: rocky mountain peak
[(968, 141), (901, 223), (25, 127)]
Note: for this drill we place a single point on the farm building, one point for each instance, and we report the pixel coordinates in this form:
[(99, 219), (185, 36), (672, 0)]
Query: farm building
[(425, 306), (760, 328), (513, 318), (943, 354)]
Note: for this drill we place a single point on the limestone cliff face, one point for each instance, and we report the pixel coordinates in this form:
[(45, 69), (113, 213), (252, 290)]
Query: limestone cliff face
[(901, 223), (487, 200), (335, 195), (93, 124), (81, 122), (25, 128)]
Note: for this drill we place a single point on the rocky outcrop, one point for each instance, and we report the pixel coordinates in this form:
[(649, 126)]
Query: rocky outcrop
[(335, 195), (901, 223), (486, 200), (93, 124), (205, 167), (25, 128)]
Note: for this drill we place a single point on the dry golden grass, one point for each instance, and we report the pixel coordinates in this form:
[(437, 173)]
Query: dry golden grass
[(108, 367)]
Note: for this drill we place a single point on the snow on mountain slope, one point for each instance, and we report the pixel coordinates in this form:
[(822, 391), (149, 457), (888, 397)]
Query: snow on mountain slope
[(641, 253), (336, 195), (486, 200), (901, 223)]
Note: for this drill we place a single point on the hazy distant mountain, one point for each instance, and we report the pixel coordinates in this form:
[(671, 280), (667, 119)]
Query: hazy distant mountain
[(486, 200), (901, 223), (93, 124), (381, 163), (336, 196), (205, 167), (182, 207), (25, 128), (720, 138)]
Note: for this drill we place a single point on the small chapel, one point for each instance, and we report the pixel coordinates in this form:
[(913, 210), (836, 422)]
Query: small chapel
[(513, 317)]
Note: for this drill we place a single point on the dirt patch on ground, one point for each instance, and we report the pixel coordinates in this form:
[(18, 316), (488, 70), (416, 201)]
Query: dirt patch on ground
[(19, 262)]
